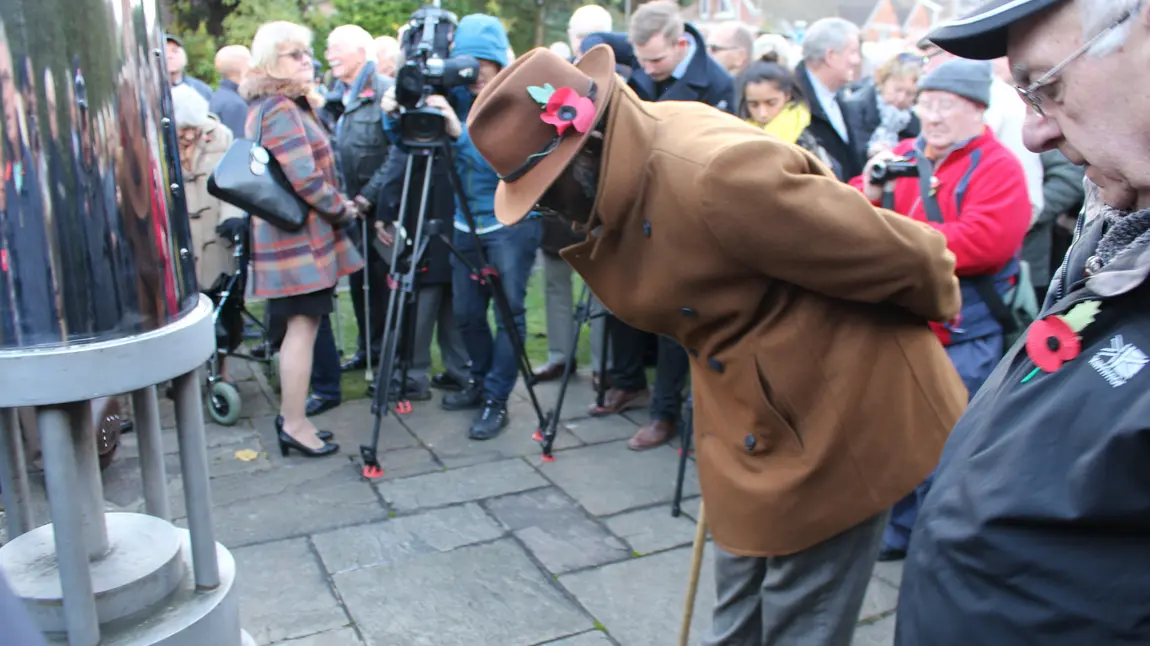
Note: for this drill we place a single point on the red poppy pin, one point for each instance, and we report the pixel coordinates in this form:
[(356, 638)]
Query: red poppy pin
[(564, 108), (367, 94), (1054, 340)]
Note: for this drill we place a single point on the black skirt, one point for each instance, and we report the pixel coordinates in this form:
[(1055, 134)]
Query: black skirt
[(312, 304)]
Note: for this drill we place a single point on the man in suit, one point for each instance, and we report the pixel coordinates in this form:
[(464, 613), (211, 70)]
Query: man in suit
[(821, 394), (832, 55)]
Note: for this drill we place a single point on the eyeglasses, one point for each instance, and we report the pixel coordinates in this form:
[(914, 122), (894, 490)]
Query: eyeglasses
[(715, 49), (299, 55), (941, 106), (1033, 94)]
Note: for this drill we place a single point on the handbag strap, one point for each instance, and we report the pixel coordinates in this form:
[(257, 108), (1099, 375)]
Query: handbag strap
[(259, 134)]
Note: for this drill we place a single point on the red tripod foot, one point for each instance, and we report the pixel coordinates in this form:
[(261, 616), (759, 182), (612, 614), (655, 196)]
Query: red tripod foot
[(372, 471), (403, 407), (537, 436), (548, 458)]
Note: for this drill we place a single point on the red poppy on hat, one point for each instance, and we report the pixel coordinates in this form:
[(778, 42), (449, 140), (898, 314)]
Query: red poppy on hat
[(565, 108)]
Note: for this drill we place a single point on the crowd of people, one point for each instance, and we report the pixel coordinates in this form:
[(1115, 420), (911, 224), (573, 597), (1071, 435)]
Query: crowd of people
[(717, 189)]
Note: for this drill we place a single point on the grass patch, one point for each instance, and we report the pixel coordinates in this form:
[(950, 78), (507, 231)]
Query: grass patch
[(355, 385)]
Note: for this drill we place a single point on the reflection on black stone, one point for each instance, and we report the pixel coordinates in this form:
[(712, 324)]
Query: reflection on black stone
[(91, 231)]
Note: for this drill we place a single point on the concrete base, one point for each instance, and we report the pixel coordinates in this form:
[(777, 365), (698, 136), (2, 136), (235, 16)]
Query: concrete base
[(142, 568), (188, 618)]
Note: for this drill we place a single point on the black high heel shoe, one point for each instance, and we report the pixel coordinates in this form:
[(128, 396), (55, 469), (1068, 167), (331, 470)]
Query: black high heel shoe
[(323, 435), (288, 442)]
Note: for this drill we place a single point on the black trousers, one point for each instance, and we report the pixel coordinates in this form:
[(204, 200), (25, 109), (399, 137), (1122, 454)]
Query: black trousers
[(628, 372)]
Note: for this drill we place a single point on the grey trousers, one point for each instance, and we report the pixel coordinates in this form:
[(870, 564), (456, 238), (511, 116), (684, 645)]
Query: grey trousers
[(558, 297), (433, 317), (812, 598)]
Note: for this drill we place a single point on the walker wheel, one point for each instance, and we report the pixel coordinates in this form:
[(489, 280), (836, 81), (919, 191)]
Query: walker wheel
[(224, 404)]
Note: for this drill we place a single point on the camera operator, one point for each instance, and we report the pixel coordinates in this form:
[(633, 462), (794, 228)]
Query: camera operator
[(510, 249), (361, 151), (958, 178)]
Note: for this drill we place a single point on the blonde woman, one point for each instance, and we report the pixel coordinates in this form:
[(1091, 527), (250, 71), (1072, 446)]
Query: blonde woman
[(883, 115), (296, 272)]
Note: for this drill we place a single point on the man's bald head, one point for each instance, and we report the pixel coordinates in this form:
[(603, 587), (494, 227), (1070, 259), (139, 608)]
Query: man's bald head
[(731, 44), (232, 62)]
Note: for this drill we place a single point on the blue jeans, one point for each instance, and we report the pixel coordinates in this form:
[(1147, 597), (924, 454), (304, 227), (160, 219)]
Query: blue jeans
[(325, 374), (511, 251), (974, 360)]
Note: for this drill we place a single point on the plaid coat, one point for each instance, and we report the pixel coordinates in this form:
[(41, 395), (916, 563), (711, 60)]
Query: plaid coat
[(287, 264)]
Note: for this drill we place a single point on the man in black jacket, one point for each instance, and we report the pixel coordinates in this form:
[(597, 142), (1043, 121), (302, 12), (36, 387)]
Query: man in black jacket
[(361, 150), (669, 62), (831, 59)]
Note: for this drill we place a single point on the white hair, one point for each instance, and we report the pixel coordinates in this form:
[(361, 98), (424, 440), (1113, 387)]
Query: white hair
[(357, 37), (828, 35), (1097, 15), (191, 109), (269, 37), (589, 19), (386, 46)]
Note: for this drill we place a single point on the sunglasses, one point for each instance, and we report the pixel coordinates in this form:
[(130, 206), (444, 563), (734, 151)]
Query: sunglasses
[(299, 55)]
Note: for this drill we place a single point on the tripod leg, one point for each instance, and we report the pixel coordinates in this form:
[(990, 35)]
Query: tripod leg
[(338, 324), (367, 329), (583, 315), (686, 437)]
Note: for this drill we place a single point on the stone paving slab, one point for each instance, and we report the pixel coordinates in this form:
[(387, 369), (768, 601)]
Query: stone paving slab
[(557, 531), (299, 512), (460, 485), (601, 429), (401, 539), (608, 478), (284, 593), (486, 595), (640, 601), (881, 599), (652, 530), (879, 633), (343, 637), (593, 638), (445, 434)]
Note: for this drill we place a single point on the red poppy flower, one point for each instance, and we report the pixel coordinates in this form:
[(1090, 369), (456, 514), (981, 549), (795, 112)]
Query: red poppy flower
[(1050, 342), (565, 108)]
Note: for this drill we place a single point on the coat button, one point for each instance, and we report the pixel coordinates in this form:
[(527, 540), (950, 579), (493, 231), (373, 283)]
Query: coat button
[(647, 228), (749, 442), (1093, 265), (715, 364), (688, 312)]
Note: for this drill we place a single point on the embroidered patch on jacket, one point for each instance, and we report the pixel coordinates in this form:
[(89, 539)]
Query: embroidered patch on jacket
[(1120, 362)]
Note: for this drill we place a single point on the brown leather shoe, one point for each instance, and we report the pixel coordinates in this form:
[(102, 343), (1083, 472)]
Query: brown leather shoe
[(551, 371), (655, 433), (617, 401)]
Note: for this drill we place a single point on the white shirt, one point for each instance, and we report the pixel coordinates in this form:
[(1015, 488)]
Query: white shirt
[(831, 107)]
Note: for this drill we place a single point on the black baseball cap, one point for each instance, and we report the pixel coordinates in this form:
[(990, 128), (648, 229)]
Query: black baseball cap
[(981, 35)]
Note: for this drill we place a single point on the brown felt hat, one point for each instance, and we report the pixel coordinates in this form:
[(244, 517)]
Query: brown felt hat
[(531, 120)]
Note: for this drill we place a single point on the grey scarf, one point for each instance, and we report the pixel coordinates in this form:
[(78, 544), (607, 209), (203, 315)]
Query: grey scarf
[(1124, 230), (892, 121)]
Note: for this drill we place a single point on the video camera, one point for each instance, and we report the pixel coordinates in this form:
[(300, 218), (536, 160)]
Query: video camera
[(428, 69), (886, 171)]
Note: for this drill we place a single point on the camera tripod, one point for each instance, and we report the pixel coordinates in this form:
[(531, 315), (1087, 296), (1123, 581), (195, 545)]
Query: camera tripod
[(400, 322), (546, 436)]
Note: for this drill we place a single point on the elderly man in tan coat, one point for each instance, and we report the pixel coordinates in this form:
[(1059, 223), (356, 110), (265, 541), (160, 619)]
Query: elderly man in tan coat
[(821, 394)]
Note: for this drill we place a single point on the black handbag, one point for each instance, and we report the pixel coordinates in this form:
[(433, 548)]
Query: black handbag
[(249, 177)]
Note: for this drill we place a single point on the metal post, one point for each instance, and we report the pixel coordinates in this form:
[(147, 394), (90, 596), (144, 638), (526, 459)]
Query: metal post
[(90, 485), (14, 475), (65, 502), (145, 404), (197, 489)]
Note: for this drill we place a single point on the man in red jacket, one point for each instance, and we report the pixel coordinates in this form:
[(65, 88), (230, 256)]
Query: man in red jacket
[(973, 189)]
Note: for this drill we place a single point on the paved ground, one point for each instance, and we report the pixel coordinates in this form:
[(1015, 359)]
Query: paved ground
[(461, 543)]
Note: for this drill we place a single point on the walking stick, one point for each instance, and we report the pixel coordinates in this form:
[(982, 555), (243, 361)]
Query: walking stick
[(696, 567)]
